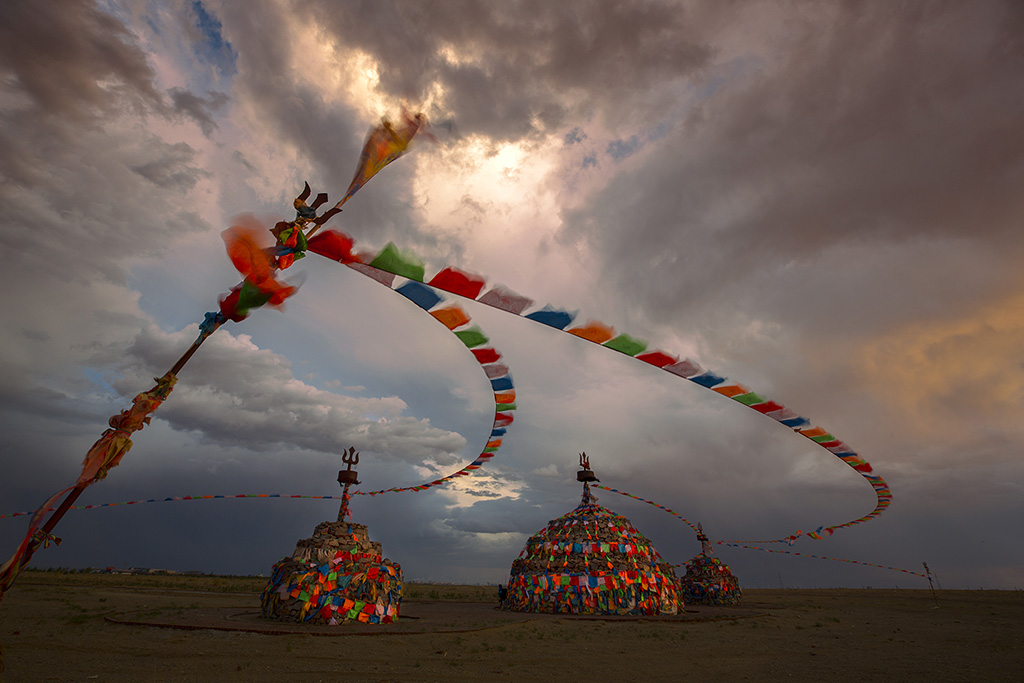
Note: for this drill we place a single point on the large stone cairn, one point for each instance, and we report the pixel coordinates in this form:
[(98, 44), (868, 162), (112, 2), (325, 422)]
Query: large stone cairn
[(337, 575), (707, 580), (591, 561)]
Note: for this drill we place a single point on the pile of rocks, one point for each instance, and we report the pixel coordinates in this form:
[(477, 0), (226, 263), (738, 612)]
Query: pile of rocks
[(337, 575), (591, 561), (330, 537), (707, 580)]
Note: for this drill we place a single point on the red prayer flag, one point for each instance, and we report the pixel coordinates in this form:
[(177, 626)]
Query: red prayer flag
[(334, 245), (458, 282), (484, 356), (767, 407), (657, 358)]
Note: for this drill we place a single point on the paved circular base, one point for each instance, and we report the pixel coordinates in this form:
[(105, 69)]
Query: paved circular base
[(418, 617)]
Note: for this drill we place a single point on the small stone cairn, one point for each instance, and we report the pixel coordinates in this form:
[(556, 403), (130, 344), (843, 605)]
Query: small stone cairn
[(707, 580), (336, 576)]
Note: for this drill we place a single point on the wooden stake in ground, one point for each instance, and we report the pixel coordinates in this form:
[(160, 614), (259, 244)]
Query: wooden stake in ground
[(928, 572)]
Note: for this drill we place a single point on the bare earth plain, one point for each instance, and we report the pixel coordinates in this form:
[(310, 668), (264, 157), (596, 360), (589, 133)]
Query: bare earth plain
[(88, 627)]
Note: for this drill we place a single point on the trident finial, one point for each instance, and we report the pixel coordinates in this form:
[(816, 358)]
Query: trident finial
[(585, 473), (346, 478), (705, 543)]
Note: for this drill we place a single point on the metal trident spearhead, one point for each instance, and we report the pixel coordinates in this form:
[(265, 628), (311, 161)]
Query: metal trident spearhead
[(348, 476)]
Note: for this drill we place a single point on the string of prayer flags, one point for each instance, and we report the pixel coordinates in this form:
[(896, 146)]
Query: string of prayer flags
[(649, 502), (430, 298), (462, 283), (170, 499), (822, 557)]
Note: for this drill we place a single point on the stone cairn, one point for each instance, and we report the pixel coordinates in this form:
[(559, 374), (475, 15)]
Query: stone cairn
[(336, 576), (707, 580), (591, 561)]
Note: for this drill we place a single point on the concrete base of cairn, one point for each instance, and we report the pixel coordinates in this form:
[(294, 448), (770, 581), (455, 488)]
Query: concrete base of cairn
[(338, 575), (709, 582), (591, 561)]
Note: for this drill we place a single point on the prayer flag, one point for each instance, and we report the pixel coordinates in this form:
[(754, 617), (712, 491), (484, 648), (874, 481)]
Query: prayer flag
[(594, 331), (451, 317), (420, 294), (506, 300), (626, 344), (392, 260), (458, 282)]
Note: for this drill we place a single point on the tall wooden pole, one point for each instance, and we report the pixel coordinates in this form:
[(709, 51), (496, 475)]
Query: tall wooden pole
[(40, 536)]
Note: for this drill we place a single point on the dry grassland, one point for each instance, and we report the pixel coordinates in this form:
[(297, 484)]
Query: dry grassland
[(58, 628)]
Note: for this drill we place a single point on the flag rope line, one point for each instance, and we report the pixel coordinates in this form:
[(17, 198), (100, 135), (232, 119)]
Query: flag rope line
[(745, 544), (594, 485), (405, 274)]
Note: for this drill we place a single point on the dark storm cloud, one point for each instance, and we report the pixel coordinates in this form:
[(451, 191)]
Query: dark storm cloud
[(883, 124), (522, 62), (507, 71), (71, 58), (199, 109), (84, 191), (170, 166), (521, 67), (327, 132)]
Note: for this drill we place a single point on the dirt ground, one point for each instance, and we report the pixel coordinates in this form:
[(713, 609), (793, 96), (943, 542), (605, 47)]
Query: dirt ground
[(65, 628)]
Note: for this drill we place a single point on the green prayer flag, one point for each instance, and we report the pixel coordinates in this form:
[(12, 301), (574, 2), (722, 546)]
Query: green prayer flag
[(626, 344), (406, 264), (472, 337), (750, 399), (251, 296)]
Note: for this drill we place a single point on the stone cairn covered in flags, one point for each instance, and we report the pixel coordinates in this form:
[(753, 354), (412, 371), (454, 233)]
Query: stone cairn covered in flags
[(591, 561), (707, 581), (338, 575)]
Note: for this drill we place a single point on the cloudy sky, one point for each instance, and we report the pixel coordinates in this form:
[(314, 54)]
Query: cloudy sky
[(819, 200)]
